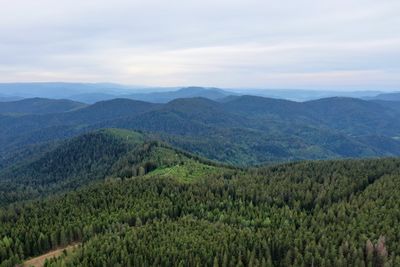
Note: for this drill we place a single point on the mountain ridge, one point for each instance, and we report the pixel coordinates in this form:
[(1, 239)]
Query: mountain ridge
[(92, 157), (39, 106), (254, 129)]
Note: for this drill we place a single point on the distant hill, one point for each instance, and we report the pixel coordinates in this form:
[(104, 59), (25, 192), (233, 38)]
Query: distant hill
[(156, 97), (110, 110), (8, 98), (37, 128), (188, 92), (394, 105), (239, 130), (93, 92), (39, 106), (355, 116), (91, 98), (262, 106), (304, 94), (388, 96), (59, 90), (256, 129)]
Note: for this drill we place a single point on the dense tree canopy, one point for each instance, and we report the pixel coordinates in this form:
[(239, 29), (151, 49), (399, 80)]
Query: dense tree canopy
[(242, 130), (327, 213)]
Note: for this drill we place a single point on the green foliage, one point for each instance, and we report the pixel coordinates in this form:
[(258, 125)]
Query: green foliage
[(127, 136), (244, 130), (326, 213), (188, 171), (68, 166), (110, 153)]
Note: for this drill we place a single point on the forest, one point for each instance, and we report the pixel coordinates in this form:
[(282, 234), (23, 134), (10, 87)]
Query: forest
[(199, 133), (154, 205), (238, 130), (240, 181)]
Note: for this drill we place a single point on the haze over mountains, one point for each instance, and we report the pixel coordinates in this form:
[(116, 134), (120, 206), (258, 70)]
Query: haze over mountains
[(93, 92), (239, 129), (395, 96), (239, 133), (39, 106), (181, 168)]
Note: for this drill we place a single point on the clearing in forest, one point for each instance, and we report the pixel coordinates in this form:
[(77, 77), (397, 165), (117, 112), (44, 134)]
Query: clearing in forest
[(39, 260)]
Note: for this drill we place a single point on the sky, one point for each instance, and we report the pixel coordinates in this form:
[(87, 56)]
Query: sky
[(308, 44)]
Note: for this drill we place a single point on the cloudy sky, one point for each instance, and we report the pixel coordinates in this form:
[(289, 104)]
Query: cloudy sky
[(329, 44)]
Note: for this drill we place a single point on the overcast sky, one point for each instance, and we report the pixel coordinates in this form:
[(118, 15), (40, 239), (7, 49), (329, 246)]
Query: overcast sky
[(315, 44)]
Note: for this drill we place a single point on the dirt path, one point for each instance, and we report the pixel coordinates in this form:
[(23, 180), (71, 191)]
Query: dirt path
[(39, 260)]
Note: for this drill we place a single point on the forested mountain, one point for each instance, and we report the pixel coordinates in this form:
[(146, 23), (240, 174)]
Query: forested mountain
[(187, 92), (39, 106), (395, 96), (304, 172), (36, 129), (91, 98), (93, 92), (395, 105), (87, 158), (67, 166), (356, 116), (164, 207), (163, 96), (26, 152), (108, 110), (9, 98), (240, 130), (58, 89)]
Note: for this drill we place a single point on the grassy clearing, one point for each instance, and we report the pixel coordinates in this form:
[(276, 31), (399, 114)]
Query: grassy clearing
[(187, 171)]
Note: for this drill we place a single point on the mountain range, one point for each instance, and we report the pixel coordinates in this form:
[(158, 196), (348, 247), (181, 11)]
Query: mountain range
[(236, 180), (90, 93), (39, 106), (143, 202), (395, 96), (235, 129)]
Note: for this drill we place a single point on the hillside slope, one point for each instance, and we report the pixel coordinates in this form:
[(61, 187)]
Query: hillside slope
[(187, 92), (39, 106), (92, 157), (395, 96), (71, 164), (326, 213), (242, 130)]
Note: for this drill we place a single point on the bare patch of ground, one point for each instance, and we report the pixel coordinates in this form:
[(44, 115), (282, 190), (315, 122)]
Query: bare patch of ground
[(39, 260)]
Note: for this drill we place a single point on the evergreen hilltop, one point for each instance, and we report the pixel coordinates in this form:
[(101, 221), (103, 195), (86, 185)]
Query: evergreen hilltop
[(131, 201)]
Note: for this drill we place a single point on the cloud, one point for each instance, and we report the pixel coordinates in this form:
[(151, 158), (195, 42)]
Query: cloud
[(339, 44)]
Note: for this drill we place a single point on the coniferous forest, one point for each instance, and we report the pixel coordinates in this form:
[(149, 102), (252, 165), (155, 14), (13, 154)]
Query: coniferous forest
[(199, 133), (125, 199)]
